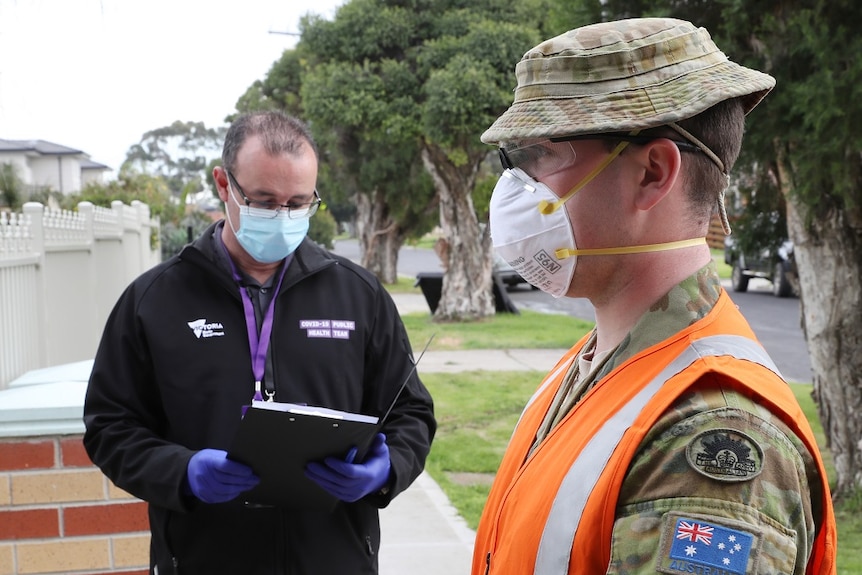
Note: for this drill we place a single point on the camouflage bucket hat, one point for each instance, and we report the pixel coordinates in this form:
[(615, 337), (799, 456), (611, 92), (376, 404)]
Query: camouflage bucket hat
[(619, 76)]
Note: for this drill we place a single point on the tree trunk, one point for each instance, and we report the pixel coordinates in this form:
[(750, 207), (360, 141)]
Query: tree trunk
[(828, 252), (380, 238), (467, 290)]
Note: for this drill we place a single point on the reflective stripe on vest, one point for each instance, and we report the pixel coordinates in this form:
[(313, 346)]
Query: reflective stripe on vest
[(559, 533)]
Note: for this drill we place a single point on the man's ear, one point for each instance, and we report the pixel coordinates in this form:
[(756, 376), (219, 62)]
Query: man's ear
[(661, 169), (220, 179)]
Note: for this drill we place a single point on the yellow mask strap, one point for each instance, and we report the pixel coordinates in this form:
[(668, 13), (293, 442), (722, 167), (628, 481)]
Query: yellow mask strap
[(546, 207), (666, 246)]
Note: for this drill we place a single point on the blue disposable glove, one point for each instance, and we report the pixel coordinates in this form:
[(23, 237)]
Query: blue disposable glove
[(350, 481), (213, 478)]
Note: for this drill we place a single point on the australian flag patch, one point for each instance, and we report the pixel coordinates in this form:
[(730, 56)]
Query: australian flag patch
[(707, 548), (708, 545)]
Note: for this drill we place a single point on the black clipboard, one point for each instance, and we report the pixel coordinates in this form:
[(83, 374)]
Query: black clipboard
[(277, 440)]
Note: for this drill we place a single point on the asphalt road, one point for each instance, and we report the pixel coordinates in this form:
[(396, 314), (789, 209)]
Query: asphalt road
[(775, 321)]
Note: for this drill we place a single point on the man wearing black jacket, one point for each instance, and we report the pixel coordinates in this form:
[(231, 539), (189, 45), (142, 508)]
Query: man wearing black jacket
[(254, 310)]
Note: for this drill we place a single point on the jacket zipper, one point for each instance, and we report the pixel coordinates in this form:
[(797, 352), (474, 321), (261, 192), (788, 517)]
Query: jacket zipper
[(487, 563)]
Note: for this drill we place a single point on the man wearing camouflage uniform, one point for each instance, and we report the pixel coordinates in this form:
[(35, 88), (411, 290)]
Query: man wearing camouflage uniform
[(665, 441)]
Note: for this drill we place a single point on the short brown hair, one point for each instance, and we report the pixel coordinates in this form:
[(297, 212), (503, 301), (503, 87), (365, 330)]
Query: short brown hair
[(721, 129), (279, 132)]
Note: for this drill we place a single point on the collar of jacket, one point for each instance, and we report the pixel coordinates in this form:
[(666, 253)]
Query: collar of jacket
[(309, 257)]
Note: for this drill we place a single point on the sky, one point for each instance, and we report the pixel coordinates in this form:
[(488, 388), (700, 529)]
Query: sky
[(95, 75)]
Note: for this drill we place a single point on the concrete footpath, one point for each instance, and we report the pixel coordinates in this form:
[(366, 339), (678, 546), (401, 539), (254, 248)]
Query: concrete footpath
[(421, 532)]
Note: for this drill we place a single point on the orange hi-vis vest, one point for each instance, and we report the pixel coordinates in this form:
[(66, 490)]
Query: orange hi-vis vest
[(552, 513)]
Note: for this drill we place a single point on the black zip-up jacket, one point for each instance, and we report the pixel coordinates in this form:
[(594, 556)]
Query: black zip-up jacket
[(161, 389)]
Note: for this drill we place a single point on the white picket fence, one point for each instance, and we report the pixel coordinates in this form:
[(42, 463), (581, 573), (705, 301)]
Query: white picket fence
[(61, 272)]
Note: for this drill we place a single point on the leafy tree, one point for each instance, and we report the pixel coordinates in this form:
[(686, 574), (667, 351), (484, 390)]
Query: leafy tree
[(179, 153), (400, 91), (759, 218), (11, 186), (279, 90), (358, 112)]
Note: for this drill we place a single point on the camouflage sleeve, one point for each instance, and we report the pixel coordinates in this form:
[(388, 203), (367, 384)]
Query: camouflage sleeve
[(719, 487)]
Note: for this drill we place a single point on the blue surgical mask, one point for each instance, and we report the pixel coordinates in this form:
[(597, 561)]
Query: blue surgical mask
[(265, 238)]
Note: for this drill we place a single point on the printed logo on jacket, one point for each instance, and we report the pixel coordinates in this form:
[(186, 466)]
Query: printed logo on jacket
[(203, 328), (327, 328)]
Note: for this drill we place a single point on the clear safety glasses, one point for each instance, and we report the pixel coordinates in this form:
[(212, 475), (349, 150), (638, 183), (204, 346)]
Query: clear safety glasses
[(540, 159), (546, 157)]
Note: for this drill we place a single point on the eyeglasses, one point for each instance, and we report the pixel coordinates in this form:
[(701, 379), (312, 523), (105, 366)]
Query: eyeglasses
[(540, 159), (272, 209), (553, 155)]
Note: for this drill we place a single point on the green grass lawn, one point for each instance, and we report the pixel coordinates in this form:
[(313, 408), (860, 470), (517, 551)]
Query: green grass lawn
[(477, 410), (503, 331), (723, 269)]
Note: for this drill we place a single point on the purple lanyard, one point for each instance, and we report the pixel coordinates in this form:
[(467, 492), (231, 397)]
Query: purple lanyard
[(258, 343)]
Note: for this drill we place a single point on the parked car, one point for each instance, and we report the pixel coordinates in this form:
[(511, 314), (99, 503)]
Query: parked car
[(776, 265)]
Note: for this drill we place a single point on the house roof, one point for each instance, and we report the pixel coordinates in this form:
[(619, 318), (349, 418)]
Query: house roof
[(91, 165), (39, 146)]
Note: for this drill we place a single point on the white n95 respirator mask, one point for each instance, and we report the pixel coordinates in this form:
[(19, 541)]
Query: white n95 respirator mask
[(527, 238)]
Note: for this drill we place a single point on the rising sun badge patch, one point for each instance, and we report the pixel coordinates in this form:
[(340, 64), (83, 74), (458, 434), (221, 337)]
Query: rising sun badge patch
[(725, 455)]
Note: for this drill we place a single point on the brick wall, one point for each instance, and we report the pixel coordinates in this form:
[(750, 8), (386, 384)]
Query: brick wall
[(59, 514)]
